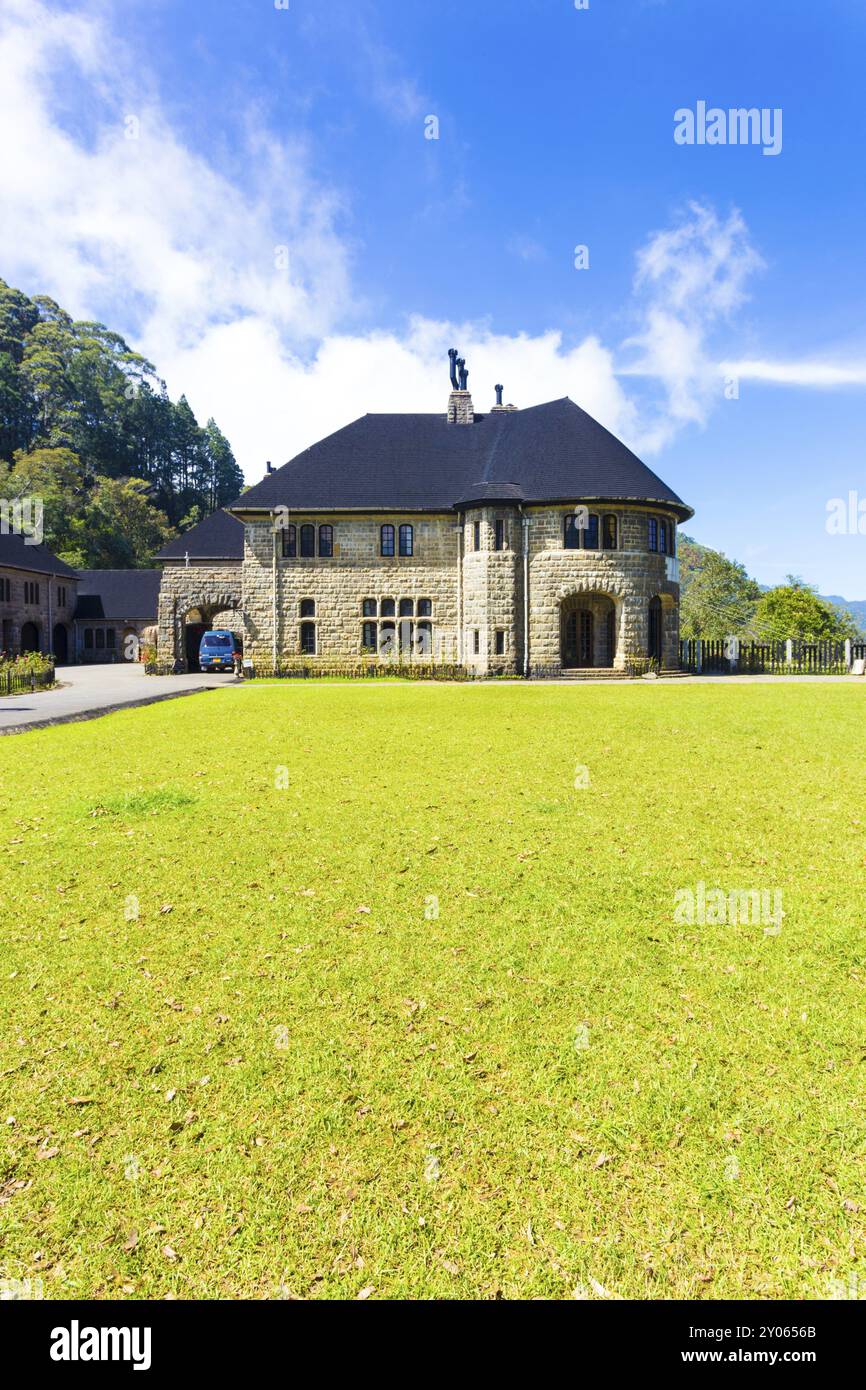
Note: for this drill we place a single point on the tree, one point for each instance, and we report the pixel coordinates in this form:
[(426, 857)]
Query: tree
[(794, 609), (719, 599)]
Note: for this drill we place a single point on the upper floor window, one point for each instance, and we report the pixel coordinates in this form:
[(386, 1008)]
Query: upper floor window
[(476, 536), (368, 608), (31, 591), (308, 541), (499, 534), (387, 540), (500, 642), (308, 608), (407, 540), (6, 590), (581, 531), (608, 532), (61, 596), (389, 608), (425, 608), (326, 541), (407, 608), (290, 542), (661, 535)]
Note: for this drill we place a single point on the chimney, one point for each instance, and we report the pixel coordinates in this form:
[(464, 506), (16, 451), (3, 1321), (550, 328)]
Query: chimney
[(270, 467), (499, 406), (460, 410)]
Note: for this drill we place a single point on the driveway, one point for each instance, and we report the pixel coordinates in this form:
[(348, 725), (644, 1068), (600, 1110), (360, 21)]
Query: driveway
[(85, 692)]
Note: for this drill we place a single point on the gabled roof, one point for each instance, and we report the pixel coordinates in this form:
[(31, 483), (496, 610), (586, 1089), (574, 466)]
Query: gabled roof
[(547, 453), (219, 537), (118, 594), (15, 553)]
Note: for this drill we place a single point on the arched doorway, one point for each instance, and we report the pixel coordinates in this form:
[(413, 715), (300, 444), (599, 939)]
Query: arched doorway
[(654, 630), (60, 644), (587, 631), (29, 637)]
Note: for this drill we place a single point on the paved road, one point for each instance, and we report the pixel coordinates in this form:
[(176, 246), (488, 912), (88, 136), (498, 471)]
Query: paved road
[(85, 692)]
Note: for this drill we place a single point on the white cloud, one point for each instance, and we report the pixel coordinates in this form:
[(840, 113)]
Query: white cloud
[(180, 256), (821, 375)]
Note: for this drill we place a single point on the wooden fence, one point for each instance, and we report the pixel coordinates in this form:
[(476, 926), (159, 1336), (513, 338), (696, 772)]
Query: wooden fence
[(728, 656)]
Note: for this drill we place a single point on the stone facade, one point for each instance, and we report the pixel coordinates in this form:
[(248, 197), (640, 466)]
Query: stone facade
[(195, 593), (36, 612), (474, 593)]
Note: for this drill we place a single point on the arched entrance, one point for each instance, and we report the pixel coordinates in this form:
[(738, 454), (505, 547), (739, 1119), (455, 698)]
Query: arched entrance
[(60, 644), (29, 637), (654, 630), (587, 631), (222, 612)]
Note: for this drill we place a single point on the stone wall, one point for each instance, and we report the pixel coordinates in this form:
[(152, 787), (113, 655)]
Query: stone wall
[(337, 585), (46, 614)]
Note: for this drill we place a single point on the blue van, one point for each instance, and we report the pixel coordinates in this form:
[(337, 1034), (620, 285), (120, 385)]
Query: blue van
[(219, 649)]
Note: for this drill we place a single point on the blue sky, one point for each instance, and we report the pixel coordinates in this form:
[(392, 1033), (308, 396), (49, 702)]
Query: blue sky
[(288, 248)]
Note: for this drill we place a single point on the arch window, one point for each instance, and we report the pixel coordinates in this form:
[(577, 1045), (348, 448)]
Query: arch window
[(386, 540), (290, 542), (308, 639), (609, 532), (308, 541), (326, 542), (425, 608), (308, 608), (407, 540), (407, 608), (581, 531), (368, 608), (369, 637), (388, 608)]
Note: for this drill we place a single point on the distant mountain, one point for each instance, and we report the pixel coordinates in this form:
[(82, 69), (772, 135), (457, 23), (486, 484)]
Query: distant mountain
[(855, 606)]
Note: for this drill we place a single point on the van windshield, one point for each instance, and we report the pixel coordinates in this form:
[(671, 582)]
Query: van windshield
[(213, 639)]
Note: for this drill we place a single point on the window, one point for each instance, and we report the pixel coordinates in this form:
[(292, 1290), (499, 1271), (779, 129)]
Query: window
[(290, 542), (407, 540), (368, 608), (387, 639), (407, 608), (476, 641), (581, 531), (476, 536), (308, 541), (499, 534), (61, 596), (369, 636), (100, 637), (500, 642), (308, 639), (308, 608), (109, 637), (425, 608), (31, 592), (608, 532), (326, 541), (663, 538), (424, 639), (6, 590), (388, 608), (387, 540), (88, 639), (653, 534)]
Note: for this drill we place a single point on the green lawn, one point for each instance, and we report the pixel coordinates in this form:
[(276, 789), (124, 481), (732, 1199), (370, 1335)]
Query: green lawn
[(288, 1076)]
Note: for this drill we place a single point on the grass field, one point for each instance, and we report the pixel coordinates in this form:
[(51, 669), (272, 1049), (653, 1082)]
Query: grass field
[(288, 1076)]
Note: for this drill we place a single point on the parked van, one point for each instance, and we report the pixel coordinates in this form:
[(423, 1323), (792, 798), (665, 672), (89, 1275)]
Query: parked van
[(219, 650)]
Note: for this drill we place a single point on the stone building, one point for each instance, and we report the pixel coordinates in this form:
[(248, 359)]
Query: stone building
[(201, 587), (37, 599), (115, 616), (514, 541)]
